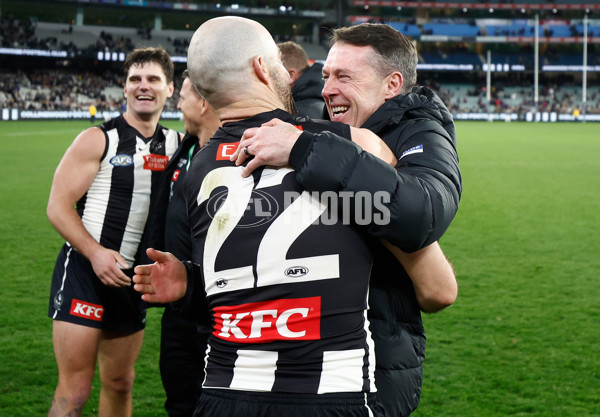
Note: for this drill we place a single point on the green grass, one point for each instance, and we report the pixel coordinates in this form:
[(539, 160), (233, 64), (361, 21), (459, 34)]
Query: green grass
[(521, 340)]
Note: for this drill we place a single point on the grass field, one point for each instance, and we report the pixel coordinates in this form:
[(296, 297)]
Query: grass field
[(521, 340)]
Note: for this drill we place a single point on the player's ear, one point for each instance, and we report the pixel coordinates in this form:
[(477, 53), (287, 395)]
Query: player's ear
[(260, 69), (171, 89), (394, 84)]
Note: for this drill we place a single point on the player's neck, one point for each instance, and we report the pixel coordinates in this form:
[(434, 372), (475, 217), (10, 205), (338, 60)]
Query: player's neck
[(145, 125), (244, 109)]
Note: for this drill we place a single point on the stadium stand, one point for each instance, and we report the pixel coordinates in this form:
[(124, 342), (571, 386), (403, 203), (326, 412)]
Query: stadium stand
[(451, 29), (447, 42)]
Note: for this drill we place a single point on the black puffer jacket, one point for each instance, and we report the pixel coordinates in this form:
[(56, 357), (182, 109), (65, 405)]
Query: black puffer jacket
[(307, 92), (425, 187)]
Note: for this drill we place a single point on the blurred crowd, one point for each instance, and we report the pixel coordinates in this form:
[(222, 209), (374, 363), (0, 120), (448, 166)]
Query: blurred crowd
[(518, 99), (66, 90), (63, 89), (60, 89), (16, 33)]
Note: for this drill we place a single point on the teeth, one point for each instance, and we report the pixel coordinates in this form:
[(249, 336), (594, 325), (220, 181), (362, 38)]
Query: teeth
[(144, 98), (339, 109)]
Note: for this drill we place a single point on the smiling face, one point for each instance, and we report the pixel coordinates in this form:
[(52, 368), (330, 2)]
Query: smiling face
[(190, 104), (354, 88), (147, 89)]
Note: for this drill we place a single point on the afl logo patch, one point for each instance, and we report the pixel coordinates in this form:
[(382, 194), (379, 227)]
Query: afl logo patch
[(121, 160), (296, 271), (221, 283)]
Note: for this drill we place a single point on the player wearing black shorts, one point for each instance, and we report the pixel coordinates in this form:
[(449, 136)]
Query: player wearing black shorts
[(113, 211), (99, 203)]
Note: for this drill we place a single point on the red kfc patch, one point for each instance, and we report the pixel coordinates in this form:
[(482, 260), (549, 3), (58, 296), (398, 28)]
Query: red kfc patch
[(267, 321), (225, 150), (87, 310), (155, 162), (175, 175)]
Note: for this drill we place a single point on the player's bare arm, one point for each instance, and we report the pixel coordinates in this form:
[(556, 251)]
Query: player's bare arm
[(72, 178), (432, 276)]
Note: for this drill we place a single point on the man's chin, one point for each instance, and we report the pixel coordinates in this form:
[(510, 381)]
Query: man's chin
[(341, 118)]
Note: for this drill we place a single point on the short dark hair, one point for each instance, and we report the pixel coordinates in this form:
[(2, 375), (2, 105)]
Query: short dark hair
[(395, 51), (293, 55), (186, 74), (143, 56)]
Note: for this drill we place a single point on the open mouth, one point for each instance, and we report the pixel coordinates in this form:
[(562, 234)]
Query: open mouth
[(145, 98), (339, 110)]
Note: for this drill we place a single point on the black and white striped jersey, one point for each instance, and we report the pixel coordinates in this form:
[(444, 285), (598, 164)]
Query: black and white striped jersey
[(115, 207), (286, 281)]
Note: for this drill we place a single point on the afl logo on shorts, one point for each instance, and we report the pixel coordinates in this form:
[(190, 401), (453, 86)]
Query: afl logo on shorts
[(221, 283), (296, 271), (122, 160)]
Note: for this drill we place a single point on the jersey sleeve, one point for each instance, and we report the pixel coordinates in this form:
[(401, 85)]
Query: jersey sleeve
[(414, 202)]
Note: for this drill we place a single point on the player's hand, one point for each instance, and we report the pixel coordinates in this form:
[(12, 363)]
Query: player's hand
[(108, 265), (164, 281), (269, 144)]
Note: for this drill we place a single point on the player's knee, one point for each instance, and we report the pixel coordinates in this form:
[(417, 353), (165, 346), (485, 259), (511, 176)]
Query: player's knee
[(73, 397), (120, 384)]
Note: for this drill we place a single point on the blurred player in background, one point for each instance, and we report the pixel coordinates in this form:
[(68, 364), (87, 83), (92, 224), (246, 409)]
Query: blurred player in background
[(306, 79)]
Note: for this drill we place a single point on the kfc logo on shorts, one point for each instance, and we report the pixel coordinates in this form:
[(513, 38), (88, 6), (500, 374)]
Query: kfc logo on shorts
[(87, 310), (267, 321), (225, 150)]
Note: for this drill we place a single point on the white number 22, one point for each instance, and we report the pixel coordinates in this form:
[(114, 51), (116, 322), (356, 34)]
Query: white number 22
[(271, 261)]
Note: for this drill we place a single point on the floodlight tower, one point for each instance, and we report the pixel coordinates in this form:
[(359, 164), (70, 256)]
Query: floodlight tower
[(584, 76), (536, 68)]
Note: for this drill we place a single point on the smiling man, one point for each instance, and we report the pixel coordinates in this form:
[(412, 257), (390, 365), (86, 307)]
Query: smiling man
[(370, 76), (99, 203)]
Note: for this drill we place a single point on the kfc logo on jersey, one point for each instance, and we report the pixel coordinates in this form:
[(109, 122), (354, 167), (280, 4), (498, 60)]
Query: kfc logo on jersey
[(86, 310), (226, 150), (267, 321)]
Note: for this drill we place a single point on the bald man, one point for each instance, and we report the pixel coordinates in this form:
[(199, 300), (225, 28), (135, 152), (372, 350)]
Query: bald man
[(286, 280)]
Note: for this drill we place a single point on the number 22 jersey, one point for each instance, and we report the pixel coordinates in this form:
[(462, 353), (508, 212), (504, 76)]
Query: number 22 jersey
[(286, 280)]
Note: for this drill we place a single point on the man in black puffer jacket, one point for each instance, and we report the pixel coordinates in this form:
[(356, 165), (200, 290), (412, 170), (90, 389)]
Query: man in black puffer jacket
[(307, 80), (369, 77)]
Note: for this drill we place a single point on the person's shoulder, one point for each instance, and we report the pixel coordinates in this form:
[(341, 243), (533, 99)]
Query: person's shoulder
[(93, 133), (90, 144)]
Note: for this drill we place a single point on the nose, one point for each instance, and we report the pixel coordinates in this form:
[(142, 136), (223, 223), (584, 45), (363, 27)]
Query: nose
[(328, 89), (144, 83)]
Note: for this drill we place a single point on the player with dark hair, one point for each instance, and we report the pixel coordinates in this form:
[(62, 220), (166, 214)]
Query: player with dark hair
[(99, 203)]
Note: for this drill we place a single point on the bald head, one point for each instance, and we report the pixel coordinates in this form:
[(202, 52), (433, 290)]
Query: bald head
[(221, 52)]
